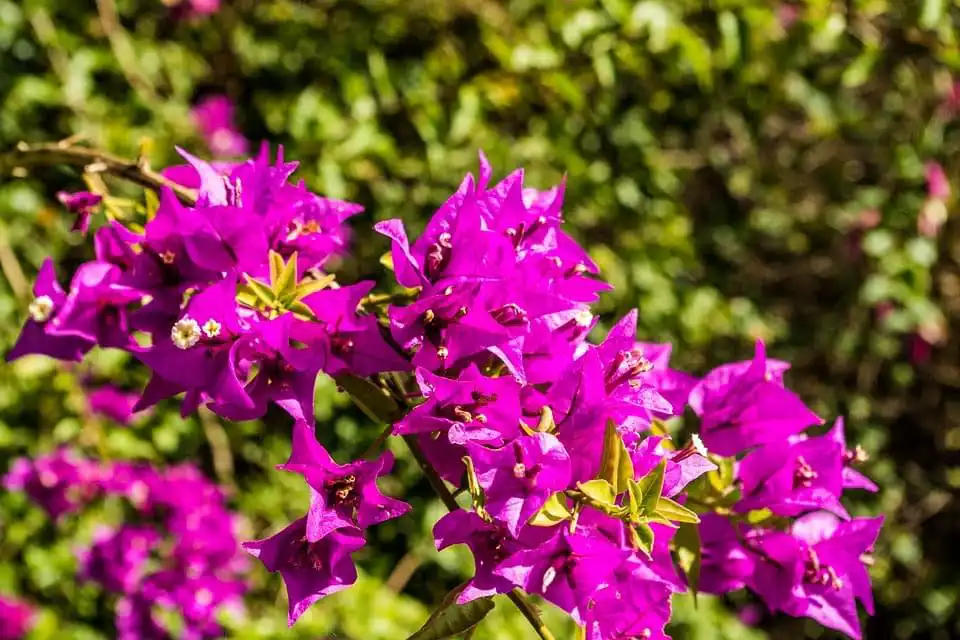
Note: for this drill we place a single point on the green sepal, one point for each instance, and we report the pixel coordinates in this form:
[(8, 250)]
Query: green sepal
[(546, 424), (301, 309), (554, 511), (473, 485), (260, 289), (306, 287), (285, 286), (676, 512)]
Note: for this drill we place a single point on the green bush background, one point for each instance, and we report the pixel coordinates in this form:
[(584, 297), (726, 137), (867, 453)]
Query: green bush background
[(717, 158)]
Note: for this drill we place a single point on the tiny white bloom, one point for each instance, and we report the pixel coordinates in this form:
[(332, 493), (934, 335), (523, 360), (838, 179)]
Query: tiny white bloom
[(519, 471), (548, 577), (41, 308), (211, 328), (185, 333), (698, 445), (583, 318)]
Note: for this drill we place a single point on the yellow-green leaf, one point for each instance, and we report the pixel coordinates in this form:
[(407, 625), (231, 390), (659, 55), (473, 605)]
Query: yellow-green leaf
[(261, 290), (276, 265), (675, 512), (642, 537), (599, 491), (554, 511), (306, 287), (286, 283), (651, 487)]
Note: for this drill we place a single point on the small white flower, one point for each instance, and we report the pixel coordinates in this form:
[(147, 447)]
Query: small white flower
[(519, 471), (185, 333), (548, 577), (41, 308), (698, 445), (211, 328), (583, 318)]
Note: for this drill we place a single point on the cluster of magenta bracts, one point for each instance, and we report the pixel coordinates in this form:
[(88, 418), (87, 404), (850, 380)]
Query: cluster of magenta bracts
[(578, 494), (177, 551)]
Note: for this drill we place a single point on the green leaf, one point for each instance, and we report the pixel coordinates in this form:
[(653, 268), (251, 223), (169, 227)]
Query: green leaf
[(371, 399), (675, 512), (306, 287), (285, 286), (642, 537), (261, 290), (651, 487), (554, 511), (616, 467), (599, 491), (452, 619), (301, 309), (276, 265), (688, 550)]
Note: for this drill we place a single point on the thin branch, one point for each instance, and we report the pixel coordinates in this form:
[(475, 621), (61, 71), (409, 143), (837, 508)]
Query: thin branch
[(517, 596), (25, 156)]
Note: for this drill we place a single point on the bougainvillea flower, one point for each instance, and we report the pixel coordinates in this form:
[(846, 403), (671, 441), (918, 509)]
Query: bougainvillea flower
[(567, 569), (519, 477), (59, 483), (95, 308), (632, 605), (472, 408), (16, 618), (740, 408), (310, 569), (113, 403), (342, 495), (214, 118), (199, 353), (490, 544), (725, 564), (817, 570), (343, 341), (682, 467), (117, 558), (36, 336), (792, 479), (82, 204)]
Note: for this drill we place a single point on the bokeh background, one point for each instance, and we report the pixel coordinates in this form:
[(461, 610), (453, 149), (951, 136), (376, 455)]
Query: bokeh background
[(738, 168)]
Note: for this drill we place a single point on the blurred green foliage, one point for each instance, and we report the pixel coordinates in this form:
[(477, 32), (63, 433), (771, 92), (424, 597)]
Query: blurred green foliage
[(719, 155)]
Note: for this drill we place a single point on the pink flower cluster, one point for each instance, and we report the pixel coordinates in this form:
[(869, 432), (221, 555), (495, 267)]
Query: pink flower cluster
[(578, 492), (178, 552)]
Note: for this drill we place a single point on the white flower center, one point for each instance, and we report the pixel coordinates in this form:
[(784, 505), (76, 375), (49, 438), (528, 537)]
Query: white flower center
[(185, 333), (519, 471), (211, 328), (698, 445), (41, 308)]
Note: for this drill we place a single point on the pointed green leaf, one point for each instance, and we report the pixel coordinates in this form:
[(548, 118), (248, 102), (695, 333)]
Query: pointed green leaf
[(452, 619), (306, 287), (555, 510), (651, 487), (371, 399), (285, 285), (276, 265), (599, 491), (616, 467), (675, 512), (642, 537), (301, 309), (688, 550), (634, 498), (261, 290)]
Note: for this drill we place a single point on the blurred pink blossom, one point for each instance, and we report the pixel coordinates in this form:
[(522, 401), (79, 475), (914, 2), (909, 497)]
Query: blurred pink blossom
[(213, 116)]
